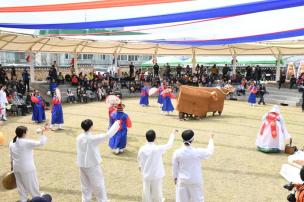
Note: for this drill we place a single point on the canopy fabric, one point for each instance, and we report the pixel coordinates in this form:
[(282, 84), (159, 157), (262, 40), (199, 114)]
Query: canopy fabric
[(172, 60), (10, 41), (196, 14)]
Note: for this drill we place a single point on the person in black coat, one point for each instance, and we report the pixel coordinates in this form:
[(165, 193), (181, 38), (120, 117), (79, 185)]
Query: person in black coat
[(156, 70), (13, 73), (262, 91)]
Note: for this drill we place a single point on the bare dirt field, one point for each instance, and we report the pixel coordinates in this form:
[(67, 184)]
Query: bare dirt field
[(236, 172)]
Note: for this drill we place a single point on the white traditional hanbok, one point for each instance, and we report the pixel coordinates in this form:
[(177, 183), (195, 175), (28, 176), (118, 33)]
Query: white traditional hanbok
[(273, 134), (291, 171)]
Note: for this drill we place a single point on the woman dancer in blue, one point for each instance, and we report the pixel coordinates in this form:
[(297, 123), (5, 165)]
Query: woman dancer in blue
[(160, 99), (38, 108), (57, 114), (252, 95), (167, 103), (144, 95), (119, 141)]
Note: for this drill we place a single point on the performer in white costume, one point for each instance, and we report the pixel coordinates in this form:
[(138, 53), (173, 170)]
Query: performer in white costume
[(3, 103), (273, 134), (21, 152), (291, 171), (89, 159), (187, 170), (151, 166)]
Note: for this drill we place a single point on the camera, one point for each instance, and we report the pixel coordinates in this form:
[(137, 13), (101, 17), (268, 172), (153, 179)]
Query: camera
[(292, 196)]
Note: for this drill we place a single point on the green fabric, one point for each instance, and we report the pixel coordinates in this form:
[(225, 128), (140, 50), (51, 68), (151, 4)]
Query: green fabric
[(270, 150)]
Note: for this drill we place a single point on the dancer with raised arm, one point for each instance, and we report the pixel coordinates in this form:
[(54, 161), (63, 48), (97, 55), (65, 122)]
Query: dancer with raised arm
[(187, 170), (22, 158), (152, 167), (89, 159)]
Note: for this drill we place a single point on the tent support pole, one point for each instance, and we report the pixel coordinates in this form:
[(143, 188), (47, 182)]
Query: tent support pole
[(234, 65), (75, 56), (193, 59), (32, 66), (279, 57)]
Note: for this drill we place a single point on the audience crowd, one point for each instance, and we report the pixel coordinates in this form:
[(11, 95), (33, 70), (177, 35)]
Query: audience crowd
[(96, 86)]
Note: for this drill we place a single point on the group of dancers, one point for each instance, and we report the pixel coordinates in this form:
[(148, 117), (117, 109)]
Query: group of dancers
[(186, 167), (38, 115), (186, 161), (165, 94)]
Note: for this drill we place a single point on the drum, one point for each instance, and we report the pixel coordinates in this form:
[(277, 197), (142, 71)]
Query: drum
[(9, 181)]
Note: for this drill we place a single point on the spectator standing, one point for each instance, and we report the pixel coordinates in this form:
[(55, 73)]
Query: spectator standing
[(188, 70), (168, 71), (13, 73), (131, 70), (3, 103), (156, 70), (179, 70), (282, 78), (26, 79), (262, 91), (225, 71)]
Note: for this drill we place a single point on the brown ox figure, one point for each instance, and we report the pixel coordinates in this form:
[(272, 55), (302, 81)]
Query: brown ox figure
[(198, 101), (218, 104)]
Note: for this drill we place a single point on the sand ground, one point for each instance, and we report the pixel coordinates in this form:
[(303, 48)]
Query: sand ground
[(236, 172)]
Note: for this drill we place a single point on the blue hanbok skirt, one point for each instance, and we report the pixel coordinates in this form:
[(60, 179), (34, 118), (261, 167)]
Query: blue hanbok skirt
[(160, 99), (144, 100), (252, 98), (57, 114), (119, 140), (167, 105), (38, 113)]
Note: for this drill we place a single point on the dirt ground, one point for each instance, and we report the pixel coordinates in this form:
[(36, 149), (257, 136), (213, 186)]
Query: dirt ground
[(236, 172)]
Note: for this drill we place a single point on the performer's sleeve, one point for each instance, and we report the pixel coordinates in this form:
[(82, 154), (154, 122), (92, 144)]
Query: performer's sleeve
[(34, 99), (139, 158), (56, 101), (284, 129), (205, 153), (129, 122), (169, 144), (111, 119), (110, 133), (172, 96), (175, 166), (34, 143)]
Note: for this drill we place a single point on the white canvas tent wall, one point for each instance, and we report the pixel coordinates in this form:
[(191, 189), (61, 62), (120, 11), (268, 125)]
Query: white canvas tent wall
[(10, 41)]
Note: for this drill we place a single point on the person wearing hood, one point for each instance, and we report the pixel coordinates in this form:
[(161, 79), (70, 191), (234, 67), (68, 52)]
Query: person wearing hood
[(118, 142), (187, 172), (22, 158), (89, 159), (273, 133), (152, 167)]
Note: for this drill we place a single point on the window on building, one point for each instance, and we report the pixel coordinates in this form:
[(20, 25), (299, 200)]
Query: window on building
[(87, 56), (123, 57), (103, 57), (130, 57), (66, 56)]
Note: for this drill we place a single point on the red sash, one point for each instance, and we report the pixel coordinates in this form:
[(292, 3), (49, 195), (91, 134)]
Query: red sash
[(271, 119)]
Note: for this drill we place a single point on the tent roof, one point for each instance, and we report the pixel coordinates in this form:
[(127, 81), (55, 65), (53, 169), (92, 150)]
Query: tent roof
[(11, 41)]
